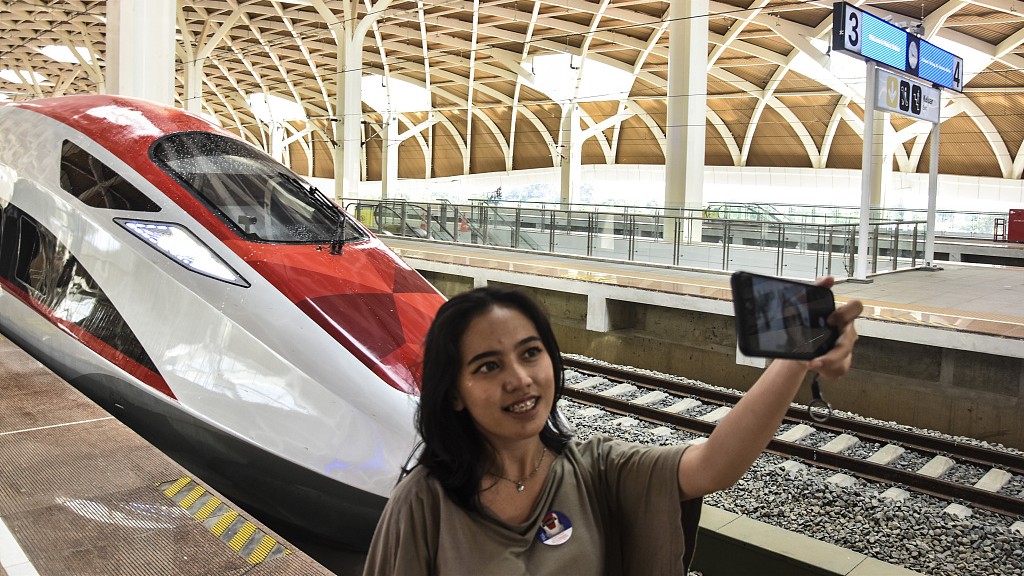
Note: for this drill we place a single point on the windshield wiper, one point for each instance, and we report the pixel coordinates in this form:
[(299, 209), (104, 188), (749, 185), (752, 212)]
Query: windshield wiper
[(314, 194), (338, 241), (321, 202)]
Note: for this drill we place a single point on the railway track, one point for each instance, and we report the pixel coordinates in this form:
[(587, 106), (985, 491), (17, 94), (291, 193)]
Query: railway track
[(830, 445)]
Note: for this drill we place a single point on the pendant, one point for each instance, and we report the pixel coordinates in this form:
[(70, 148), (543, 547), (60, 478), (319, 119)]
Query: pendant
[(520, 487)]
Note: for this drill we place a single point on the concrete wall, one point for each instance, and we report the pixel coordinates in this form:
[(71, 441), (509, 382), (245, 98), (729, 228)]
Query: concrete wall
[(959, 392)]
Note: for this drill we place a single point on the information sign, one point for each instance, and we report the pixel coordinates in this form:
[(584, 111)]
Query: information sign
[(897, 93)]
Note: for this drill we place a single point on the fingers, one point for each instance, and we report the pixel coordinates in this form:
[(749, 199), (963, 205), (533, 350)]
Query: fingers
[(836, 363), (838, 360), (846, 313), (825, 282)]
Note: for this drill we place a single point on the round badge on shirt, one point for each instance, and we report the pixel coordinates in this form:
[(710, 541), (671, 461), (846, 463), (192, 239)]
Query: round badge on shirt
[(555, 529)]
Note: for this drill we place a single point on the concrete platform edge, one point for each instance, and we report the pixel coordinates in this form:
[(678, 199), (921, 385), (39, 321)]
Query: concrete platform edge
[(730, 543)]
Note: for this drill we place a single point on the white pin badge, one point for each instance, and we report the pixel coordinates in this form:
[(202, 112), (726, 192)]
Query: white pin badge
[(555, 529)]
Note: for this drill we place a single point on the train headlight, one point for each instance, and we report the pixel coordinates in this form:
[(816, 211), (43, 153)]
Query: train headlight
[(180, 245)]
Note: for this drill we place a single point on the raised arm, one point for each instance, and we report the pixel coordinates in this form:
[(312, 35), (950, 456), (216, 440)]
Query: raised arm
[(746, 430)]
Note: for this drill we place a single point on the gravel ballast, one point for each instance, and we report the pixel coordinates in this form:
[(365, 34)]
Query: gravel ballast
[(914, 533)]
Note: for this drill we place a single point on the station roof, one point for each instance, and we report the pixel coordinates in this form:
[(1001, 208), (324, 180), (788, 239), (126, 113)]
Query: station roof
[(776, 95)]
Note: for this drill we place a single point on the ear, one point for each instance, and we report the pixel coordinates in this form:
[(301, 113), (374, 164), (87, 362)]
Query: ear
[(457, 402)]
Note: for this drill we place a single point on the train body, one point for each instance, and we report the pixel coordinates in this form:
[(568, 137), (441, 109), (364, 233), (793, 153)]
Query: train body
[(205, 295)]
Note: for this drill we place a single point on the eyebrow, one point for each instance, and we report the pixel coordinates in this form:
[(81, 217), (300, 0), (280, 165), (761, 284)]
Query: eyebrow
[(488, 353)]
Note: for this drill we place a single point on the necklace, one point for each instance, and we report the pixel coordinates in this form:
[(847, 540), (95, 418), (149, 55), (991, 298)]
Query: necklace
[(521, 484)]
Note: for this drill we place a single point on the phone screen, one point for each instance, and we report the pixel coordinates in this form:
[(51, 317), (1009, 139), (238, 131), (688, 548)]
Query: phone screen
[(780, 318)]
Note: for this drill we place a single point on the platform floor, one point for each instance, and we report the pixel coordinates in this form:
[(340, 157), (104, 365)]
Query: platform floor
[(81, 494), (962, 297)]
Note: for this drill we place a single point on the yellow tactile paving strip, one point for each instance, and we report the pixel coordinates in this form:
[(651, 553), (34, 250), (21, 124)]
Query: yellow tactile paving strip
[(222, 521), (699, 284)]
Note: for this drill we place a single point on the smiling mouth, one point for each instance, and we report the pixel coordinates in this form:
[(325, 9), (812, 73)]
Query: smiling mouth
[(524, 406)]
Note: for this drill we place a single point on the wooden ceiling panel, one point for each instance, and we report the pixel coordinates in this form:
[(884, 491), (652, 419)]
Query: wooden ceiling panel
[(637, 145), (289, 50), (776, 144), (814, 112), (531, 150), (964, 150)]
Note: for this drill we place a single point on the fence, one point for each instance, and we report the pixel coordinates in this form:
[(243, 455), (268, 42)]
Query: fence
[(818, 246)]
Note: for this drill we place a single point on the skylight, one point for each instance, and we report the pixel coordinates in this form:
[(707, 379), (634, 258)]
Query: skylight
[(12, 76), (555, 75), (272, 109), (64, 53), (847, 69), (405, 96)]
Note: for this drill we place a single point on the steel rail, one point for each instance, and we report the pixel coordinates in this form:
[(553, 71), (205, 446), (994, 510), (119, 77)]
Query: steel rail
[(864, 430), (944, 489)]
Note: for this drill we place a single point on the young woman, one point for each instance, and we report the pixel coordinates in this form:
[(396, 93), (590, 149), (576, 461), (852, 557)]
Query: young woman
[(502, 488)]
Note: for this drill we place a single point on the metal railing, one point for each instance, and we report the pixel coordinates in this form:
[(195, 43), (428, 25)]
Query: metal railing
[(686, 238), (948, 223)]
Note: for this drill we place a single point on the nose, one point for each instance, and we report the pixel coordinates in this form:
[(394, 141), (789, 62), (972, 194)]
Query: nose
[(517, 377)]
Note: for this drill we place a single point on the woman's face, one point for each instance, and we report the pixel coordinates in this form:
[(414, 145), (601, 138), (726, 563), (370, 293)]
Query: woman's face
[(506, 380)]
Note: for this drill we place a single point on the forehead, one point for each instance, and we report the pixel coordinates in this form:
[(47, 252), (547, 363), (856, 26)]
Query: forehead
[(497, 326)]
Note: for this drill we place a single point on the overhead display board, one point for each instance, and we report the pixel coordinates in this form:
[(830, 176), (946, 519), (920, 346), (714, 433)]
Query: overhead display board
[(865, 35)]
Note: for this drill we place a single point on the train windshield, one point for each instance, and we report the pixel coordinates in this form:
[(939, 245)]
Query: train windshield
[(259, 198)]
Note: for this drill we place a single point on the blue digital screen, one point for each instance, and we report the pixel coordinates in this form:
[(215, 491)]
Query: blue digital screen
[(858, 32), (884, 42), (938, 66)]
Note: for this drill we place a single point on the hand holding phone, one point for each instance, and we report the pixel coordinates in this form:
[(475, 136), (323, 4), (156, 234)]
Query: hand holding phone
[(778, 318)]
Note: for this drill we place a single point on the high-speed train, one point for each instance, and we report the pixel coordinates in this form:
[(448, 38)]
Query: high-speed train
[(212, 300)]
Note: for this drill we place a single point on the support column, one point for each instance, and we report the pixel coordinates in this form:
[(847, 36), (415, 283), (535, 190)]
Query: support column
[(881, 158), (867, 177), (194, 86), (687, 104), (389, 155), (350, 114), (572, 152), (277, 141), (933, 193), (140, 49)]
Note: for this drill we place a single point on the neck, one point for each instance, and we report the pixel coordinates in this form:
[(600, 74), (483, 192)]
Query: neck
[(519, 462)]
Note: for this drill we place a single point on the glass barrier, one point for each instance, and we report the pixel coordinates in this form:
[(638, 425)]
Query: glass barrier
[(687, 238), (948, 223)]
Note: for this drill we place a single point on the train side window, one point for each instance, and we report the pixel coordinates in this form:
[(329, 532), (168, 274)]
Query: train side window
[(8, 242), (98, 185), (40, 259), (55, 279)]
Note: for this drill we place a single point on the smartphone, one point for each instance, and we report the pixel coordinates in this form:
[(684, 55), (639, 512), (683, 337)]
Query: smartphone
[(778, 318)]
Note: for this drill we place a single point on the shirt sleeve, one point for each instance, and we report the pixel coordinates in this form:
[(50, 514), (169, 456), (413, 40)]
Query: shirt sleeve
[(652, 529), (405, 541)]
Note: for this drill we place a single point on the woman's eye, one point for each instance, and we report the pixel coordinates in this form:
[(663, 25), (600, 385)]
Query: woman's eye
[(486, 367), (533, 352)]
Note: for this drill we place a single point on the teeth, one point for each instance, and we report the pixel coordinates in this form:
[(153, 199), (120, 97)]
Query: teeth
[(523, 406)]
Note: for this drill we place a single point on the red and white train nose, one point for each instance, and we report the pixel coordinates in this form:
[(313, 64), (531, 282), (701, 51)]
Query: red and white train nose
[(226, 310)]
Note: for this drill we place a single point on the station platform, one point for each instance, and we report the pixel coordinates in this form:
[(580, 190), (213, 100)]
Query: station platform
[(941, 348), (973, 299), (81, 494)]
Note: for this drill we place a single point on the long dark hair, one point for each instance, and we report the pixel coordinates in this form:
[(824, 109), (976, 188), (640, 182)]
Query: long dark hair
[(453, 450)]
